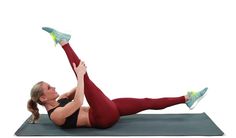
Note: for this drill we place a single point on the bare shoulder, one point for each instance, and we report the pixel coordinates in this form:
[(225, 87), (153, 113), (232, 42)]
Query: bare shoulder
[(56, 118)]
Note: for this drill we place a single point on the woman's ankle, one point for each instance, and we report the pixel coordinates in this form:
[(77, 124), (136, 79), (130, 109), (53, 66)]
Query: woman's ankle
[(63, 42), (186, 98)]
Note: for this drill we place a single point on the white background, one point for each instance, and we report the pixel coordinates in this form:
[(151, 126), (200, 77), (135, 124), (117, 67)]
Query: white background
[(132, 49)]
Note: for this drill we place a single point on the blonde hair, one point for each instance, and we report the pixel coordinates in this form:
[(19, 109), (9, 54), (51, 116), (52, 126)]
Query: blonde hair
[(35, 94)]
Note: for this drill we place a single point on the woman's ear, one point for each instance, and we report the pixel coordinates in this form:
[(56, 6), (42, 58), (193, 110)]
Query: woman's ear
[(42, 98)]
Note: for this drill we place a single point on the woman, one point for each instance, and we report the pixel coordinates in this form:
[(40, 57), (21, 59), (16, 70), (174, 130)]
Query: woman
[(67, 111)]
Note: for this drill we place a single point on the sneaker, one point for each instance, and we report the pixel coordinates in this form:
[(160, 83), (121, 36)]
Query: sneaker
[(56, 35), (195, 97)]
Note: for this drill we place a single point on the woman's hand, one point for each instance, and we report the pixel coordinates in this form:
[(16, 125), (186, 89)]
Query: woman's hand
[(80, 70)]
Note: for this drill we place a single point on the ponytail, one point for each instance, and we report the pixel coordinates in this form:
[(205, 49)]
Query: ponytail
[(35, 94), (32, 107)]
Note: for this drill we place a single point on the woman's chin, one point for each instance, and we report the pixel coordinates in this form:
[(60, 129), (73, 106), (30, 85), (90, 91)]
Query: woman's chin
[(57, 95)]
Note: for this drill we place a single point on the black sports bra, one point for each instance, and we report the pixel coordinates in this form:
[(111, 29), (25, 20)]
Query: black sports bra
[(71, 121)]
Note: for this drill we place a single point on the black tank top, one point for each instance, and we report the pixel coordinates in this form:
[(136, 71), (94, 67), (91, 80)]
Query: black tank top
[(71, 121)]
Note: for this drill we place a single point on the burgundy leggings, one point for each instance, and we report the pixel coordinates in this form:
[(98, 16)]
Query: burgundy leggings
[(103, 112)]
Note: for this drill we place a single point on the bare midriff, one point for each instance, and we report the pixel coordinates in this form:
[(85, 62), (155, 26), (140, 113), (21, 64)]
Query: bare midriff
[(83, 117)]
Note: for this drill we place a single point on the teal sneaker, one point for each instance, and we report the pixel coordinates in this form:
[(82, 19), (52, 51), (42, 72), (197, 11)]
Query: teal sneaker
[(56, 35), (195, 97)]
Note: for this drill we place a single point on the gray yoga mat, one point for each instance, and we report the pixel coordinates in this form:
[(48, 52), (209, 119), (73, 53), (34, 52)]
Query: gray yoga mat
[(133, 125)]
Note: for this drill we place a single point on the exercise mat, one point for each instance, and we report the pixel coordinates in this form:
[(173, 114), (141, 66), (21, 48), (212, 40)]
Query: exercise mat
[(198, 124)]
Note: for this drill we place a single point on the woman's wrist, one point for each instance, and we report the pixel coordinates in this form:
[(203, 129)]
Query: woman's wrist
[(80, 77)]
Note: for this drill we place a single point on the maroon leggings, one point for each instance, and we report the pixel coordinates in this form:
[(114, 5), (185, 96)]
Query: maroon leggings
[(103, 112)]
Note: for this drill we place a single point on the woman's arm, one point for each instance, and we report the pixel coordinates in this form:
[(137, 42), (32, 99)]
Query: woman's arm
[(70, 95), (77, 102), (79, 94), (80, 71)]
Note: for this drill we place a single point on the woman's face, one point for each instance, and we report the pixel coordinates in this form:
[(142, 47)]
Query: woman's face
[(49, 92)]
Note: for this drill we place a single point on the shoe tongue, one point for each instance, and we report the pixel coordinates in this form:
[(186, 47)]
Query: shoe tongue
[(191, 93), (53, 37)]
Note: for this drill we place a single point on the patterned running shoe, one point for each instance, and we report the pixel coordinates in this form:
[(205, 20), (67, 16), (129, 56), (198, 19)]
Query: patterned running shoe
[(195, 97), (56, 35)]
